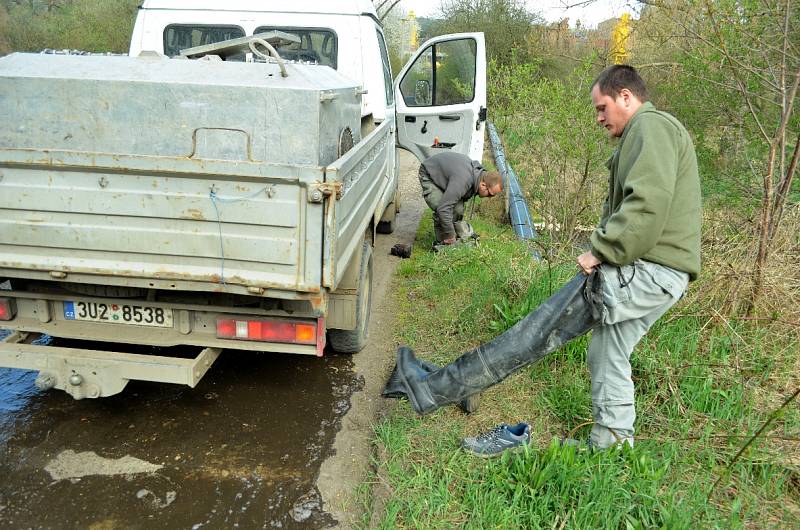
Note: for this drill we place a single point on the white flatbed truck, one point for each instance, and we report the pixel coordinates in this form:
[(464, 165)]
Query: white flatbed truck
[(207, 191)]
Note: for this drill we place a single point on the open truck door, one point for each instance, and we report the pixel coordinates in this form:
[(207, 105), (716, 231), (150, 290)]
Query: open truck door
[(441, 97)]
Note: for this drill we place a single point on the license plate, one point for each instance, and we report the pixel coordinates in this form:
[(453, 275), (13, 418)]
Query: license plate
[(117, 313)]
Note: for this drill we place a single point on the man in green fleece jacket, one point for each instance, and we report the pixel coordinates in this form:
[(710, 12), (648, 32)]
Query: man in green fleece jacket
[(647, 244), (643, 254)]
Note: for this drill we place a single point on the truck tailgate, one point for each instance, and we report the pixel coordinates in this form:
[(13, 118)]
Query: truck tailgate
[(159, 218)]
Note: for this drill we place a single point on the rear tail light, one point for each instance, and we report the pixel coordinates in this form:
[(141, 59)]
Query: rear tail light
[(290, 332), (8, 308)]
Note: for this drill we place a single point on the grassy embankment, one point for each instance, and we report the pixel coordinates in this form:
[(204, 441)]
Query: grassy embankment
[(704, 384)]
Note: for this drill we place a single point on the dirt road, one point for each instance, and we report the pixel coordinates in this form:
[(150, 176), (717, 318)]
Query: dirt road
[(264, 441), (341, 474)]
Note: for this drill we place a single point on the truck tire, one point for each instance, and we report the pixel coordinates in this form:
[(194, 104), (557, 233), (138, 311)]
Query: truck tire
[(386, 227), (354, 340), (388, 222)]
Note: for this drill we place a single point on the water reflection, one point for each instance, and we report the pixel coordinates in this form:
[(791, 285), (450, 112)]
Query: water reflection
[(16, 391)]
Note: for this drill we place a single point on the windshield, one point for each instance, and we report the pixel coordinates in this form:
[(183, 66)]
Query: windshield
[(315, 46), (179, 37)]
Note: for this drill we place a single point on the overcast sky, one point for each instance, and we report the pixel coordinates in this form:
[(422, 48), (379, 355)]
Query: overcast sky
[(552, 10)]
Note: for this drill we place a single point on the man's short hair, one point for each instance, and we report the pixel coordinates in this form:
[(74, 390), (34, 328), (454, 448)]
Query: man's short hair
[(492, 179), (615, 78)]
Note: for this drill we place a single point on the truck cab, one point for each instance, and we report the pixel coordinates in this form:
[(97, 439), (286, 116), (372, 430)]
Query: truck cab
[(440, 95)]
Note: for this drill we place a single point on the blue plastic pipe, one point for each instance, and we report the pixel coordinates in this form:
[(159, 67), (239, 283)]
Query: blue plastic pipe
[(519, 216)]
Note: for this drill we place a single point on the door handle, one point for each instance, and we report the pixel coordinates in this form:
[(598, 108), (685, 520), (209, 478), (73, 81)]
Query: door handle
[(410, 119), (450, 117)]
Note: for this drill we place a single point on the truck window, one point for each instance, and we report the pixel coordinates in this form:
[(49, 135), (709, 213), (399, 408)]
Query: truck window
[(316, 45), (178, 37), (416, 86), (450, 82), (387, 70)]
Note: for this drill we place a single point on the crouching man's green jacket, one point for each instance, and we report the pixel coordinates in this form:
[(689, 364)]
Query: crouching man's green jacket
[(653, 207)]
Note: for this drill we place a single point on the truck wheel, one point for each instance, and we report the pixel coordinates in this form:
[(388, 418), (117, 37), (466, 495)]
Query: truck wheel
[(388, 222), (354, 340), (386, 227)]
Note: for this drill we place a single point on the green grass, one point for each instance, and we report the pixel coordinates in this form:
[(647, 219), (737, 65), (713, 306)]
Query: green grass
[(702, 389)]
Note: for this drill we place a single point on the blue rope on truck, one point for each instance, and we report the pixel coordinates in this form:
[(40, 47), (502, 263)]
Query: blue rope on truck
[(519, 216), (217, 199)]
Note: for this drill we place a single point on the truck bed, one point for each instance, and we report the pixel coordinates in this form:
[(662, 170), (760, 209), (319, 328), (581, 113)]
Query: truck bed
[(166, 173)]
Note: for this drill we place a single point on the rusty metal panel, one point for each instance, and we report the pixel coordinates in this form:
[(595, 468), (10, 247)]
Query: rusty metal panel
[(156, 169), (201, 324), (157, 106), (364, 174), (79, 219), (98, 373)]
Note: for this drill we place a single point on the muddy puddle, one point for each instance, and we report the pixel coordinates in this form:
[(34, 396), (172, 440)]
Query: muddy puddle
[(242, 450)]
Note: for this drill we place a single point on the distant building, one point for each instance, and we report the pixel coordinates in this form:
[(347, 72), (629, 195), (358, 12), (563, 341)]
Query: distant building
[(607, 26), (559, 36)]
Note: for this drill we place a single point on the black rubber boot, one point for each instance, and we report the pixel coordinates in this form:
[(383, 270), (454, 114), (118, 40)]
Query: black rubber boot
[(396, 389), (571, 312)]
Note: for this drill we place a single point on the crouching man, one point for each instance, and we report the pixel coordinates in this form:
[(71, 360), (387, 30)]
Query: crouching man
[(448, 180)]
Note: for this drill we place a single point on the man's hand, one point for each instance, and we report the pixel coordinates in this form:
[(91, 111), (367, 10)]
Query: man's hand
[(449, 241), (587, 262)]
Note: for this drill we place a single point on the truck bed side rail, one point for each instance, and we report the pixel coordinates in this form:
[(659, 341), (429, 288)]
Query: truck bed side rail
[(363, 176)]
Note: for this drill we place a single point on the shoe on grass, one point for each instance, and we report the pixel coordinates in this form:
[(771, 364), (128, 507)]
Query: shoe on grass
[(498, 440)]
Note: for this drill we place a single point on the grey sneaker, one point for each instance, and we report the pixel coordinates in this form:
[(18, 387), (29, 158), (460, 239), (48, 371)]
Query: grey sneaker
[(500, 439)]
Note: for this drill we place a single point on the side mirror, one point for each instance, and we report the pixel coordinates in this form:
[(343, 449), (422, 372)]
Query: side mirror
[(422, 92)]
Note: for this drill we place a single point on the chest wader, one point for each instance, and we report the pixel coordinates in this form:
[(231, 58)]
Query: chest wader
[(571, 312), (395, 388)]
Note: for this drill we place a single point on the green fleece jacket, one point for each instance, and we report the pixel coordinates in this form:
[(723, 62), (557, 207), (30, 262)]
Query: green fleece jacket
[(653, 206)]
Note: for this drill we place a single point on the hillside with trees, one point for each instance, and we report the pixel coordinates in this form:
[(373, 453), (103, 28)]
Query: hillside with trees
[(717, 380)]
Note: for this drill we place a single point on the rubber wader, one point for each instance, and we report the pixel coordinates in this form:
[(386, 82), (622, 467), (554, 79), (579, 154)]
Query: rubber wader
[(396, 389), (571, 312)]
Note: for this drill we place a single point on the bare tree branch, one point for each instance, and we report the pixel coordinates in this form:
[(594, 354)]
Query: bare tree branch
[(739, 64), (388, 10), (742, 85), (783, 189), (751, 440), (789, 105), (783, 75)]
